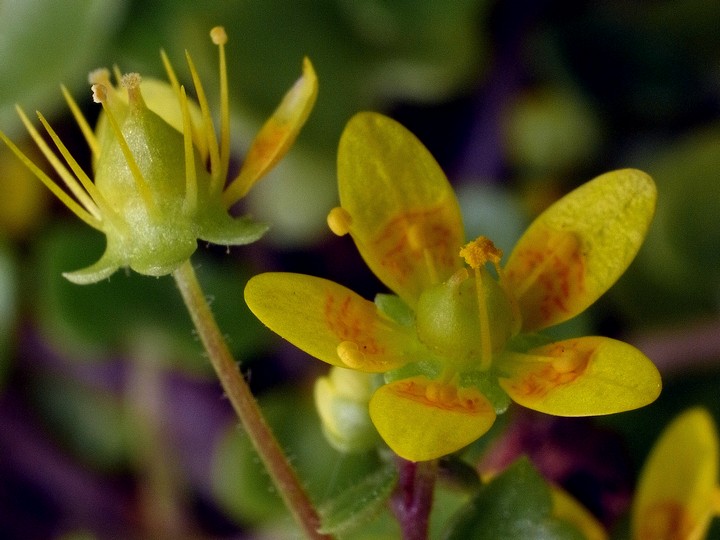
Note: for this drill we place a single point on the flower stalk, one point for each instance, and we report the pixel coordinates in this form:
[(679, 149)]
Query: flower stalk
[(411, 502), (244, 404)]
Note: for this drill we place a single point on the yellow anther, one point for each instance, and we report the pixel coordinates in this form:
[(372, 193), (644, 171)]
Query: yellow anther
[(351, 355), (567, 363), (218, 35), (480, 251), (339, 221), (432, 392)]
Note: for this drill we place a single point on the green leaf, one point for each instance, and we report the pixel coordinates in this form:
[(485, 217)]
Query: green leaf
[(359, 504), (514, 505)]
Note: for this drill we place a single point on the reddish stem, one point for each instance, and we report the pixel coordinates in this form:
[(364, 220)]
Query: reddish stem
[(411, 502)]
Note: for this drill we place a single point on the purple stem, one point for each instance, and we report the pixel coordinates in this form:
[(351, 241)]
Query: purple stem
[(411, 502)]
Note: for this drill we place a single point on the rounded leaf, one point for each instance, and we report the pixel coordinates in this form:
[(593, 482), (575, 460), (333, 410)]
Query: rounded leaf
[(405, 219), (576, 250)]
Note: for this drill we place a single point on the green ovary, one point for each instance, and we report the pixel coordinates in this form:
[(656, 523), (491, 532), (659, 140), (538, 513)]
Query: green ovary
[(448, 319), (152, 232)]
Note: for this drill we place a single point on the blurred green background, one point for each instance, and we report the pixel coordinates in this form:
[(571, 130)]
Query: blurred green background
[(111, 422)]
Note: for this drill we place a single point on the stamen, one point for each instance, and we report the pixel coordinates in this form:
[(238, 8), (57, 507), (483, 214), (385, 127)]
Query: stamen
[(82, 122), (485, 334), (100, 76), (339, 221), (100, 95), (131, 83), (170, 72), (68, 201), (351, 355), (217, 179), (68, 179), (480, 251), (172, 77), (190, 203), (218, 35), (476, 254), (219, 38), (98, 202)]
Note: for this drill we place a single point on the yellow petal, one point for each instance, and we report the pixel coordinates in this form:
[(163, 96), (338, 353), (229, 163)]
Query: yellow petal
[(277, 135), (328, 321), (568, 509), (575, 250), (421, 419), (585, 376), (675, 494), (404, 215)]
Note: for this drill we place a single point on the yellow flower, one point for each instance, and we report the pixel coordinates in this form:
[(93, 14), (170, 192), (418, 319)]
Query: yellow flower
[(678, 493), (458, 340), (153, 195)]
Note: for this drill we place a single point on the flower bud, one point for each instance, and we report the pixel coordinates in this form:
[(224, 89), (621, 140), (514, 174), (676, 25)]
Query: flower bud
[(342, 400)]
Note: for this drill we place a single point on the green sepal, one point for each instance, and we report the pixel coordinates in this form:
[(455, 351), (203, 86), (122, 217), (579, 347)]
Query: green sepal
[(359, 504), (224, 230), (429, 368), (488, 385), (394, 307), (522, 343), (514, 505)]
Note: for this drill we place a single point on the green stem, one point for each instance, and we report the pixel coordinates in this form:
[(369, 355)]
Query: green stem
[(242, 400)]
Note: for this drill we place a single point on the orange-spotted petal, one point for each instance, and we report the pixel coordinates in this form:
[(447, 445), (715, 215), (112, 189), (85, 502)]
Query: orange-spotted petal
[(421, 419), (276, 136), (403, 214), (329, 321), (678, 484), (575, 250), (585, 376)]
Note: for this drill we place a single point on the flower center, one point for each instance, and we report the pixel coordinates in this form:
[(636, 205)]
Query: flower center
[(467, 320)]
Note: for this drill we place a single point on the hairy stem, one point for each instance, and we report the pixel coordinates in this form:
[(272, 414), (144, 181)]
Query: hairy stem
[(242, 400), (411, 501)]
